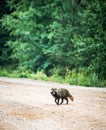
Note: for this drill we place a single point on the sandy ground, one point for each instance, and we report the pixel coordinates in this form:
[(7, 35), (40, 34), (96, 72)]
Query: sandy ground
[(27, 104)]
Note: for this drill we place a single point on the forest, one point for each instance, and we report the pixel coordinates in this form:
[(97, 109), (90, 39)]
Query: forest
[(57, 40)]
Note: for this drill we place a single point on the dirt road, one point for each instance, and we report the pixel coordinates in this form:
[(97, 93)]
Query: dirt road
[(27, 104)]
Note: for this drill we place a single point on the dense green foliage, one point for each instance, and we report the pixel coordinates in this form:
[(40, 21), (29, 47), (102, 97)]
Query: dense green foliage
[(55, 37)]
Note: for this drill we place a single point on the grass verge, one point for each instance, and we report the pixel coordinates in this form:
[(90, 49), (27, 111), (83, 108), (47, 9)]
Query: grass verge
[(79, 79)]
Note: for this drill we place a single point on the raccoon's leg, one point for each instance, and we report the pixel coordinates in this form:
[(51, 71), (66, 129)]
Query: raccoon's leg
[(61, 101), (57, 101), (66, 100)]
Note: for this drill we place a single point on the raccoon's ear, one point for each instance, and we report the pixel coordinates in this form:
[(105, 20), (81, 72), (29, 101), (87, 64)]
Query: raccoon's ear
[(52, 89), (55, 89)]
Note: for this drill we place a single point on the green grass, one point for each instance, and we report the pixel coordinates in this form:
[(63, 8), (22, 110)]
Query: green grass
[(83, 80), (73, 78)]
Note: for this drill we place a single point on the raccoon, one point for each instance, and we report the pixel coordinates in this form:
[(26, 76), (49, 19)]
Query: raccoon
[(62, 94)]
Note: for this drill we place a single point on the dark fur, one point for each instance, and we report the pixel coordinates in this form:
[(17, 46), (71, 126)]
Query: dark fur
[(62, 94)]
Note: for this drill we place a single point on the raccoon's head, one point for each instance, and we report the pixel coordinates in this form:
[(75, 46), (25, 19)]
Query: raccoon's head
[(54, 92)]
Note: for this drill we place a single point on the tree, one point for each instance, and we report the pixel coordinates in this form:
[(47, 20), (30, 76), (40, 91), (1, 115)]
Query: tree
[(5, 50), (93, 36), (28, 27), (56, 34)]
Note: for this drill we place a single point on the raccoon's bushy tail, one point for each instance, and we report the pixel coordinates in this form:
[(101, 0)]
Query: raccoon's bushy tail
[(71, 97)]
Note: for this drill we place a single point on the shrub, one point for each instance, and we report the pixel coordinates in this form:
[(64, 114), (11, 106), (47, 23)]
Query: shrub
[(3, 72), (83, 79)]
